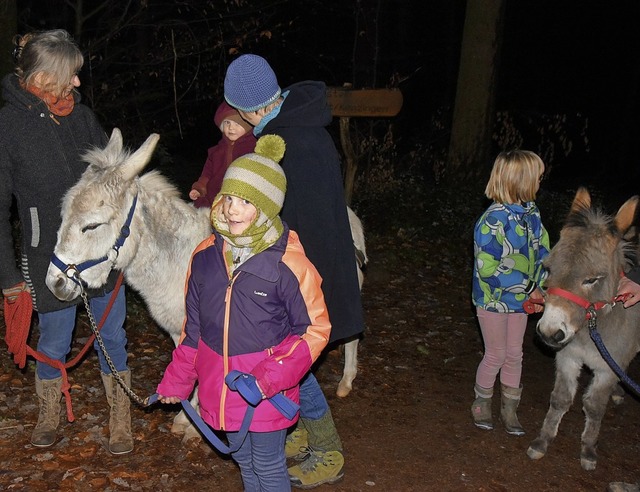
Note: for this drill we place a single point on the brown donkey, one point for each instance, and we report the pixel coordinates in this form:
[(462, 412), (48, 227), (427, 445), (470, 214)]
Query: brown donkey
[(584, 269)]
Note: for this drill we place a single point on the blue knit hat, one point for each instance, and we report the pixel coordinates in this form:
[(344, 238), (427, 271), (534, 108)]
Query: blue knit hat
[(250, 83)]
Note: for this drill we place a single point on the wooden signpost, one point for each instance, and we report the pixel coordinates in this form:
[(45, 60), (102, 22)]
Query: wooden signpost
[(346, 103), (376, 103)]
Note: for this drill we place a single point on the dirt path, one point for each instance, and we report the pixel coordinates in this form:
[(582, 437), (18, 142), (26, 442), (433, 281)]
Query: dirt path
[(405, 427)]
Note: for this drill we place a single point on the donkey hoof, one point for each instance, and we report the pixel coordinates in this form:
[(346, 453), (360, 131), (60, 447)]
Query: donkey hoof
[(536, 451), (191, 433), (344, 389), (179, 427), (588, 458)]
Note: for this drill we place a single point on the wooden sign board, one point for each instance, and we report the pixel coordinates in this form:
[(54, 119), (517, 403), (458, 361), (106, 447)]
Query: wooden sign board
[(365, 102)]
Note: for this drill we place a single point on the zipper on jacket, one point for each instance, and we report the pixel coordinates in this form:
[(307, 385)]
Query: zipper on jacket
[(225, 348), (54, 119)]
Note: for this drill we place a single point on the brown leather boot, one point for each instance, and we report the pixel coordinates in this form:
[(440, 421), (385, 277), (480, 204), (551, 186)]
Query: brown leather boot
[(120, 437), (49, 395)]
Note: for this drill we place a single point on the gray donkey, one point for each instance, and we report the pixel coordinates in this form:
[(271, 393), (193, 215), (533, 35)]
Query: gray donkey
[(584, 269), (154, 258)]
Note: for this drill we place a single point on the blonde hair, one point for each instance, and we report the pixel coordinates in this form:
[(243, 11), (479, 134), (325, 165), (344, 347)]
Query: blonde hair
[(51, 53), (515, 177)]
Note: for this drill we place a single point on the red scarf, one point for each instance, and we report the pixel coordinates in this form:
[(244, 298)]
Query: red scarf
[(58, 106)]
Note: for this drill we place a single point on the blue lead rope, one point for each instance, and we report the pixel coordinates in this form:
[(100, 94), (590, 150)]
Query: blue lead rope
[(245, 384), (595, 336)]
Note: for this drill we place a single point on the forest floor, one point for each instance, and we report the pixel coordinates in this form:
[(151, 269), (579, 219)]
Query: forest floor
[(406, 426)]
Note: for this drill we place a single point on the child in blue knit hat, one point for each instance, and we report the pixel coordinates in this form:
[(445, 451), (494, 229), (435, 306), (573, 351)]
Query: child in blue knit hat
[(315, 208)]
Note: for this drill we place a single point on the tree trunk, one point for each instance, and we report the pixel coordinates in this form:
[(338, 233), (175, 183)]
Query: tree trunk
[(474, 110), (8, 29)]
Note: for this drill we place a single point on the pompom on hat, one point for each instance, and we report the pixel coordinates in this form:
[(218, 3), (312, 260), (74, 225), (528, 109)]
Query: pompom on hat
[(250, 83), (259, 179)]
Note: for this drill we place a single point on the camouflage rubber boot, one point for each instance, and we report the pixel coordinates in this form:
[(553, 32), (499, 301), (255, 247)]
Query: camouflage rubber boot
[(295, 446), (120, 437), (324, 461), (481, 408), (510, 402), (49, 394)]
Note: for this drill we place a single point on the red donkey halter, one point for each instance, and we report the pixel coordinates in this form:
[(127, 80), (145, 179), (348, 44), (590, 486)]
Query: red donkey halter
[(589, 307)]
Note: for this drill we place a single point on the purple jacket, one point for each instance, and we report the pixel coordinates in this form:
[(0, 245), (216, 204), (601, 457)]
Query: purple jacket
[(268, 319)]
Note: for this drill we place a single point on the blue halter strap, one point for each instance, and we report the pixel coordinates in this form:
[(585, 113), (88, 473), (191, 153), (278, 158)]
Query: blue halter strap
[(73, 271)]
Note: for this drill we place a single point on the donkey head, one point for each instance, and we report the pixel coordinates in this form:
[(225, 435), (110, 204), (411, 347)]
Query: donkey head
[(587, 261), (93, 213)]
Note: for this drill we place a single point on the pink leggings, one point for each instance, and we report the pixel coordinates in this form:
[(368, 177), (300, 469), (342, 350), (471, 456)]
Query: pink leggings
[(503, 336)]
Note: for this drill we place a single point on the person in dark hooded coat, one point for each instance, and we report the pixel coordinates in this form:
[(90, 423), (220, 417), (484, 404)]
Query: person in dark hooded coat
[(316, 209)]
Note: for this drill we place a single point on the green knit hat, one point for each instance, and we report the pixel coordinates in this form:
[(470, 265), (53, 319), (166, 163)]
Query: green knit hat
[(257, 177)]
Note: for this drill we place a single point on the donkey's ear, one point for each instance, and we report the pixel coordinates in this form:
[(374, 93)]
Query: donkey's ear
[(115, 142), (581, 201), (136, 162), (626, 214)]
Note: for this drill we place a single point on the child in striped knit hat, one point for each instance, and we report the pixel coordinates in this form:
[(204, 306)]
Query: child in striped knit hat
[(254, 305)]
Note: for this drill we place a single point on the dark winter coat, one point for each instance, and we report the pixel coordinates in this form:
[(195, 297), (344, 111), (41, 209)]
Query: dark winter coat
[(269, 320), (40, 159), (314, 205)]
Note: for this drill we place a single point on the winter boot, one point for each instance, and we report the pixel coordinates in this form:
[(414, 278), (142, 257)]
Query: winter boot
[(49, 395), (120, 438), (296, 444), (510, 402), (324, 460), (481, 408)]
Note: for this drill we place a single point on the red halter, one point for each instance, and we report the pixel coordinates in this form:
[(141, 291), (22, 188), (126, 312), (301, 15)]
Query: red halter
[(588, 306)]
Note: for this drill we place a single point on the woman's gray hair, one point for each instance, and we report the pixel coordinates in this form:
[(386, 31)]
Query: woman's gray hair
[(53, 53)]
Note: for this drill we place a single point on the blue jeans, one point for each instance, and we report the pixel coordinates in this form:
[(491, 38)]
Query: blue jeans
[(313, 404), (262, 462), (56, 334)]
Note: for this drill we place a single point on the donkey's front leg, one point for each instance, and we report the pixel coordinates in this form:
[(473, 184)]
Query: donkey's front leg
[(594, 405), (182, 424), (564, 390)]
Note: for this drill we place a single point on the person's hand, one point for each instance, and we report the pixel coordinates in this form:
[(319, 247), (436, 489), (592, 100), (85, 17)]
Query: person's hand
[(628, 287), (11, 294), (536, 295), (168, 399), (194, 194)]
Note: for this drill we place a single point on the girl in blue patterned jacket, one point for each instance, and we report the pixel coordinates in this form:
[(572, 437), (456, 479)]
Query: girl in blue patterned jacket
[(510, 243), (254, 305)]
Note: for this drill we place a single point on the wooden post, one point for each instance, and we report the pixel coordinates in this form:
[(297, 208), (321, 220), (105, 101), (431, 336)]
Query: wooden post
[(346, 103)]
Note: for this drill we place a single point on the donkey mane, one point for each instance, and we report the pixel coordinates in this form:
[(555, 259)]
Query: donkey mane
[(591, 217), (596, 222)]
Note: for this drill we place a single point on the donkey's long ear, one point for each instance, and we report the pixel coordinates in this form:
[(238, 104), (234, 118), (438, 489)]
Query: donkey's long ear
[(626, 214), (582, 200), (136, 162), (115, 142)]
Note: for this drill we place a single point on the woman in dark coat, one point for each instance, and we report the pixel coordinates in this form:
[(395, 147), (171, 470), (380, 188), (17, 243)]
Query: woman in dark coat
[(315, 208), (44, 131)]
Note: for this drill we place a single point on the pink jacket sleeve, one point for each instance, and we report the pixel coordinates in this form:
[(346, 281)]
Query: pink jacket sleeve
[(180, 376)]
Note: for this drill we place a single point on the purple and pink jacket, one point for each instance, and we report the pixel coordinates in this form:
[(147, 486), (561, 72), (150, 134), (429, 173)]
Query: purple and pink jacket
[(268, 318)]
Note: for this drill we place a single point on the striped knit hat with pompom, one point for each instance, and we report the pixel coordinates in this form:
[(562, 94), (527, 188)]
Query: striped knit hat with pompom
[(259, 179)]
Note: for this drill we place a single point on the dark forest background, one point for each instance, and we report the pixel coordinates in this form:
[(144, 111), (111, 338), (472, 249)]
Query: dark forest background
[(564, 76)]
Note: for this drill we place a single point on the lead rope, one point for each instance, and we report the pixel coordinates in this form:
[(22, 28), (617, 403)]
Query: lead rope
[(114, 371), (597, 339)]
